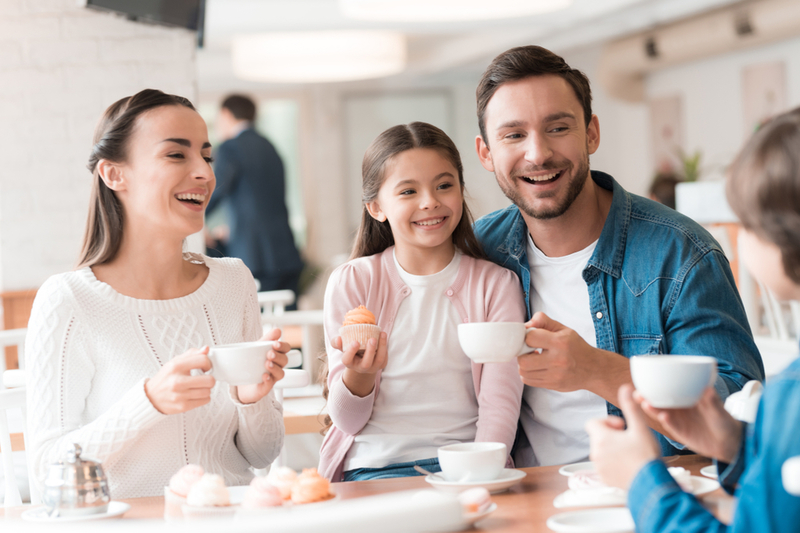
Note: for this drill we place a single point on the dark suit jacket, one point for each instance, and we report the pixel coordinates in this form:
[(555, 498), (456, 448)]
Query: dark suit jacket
[(250, 173)]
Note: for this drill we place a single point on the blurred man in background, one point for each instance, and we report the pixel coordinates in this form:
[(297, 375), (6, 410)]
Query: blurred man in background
[(250, 175)]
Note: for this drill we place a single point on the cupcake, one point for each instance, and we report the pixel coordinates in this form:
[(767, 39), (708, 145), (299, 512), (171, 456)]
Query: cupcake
[(283, 478), (311, 487), (179, 485), (475, 500), (208, 498), (261, 494), (359, 326)]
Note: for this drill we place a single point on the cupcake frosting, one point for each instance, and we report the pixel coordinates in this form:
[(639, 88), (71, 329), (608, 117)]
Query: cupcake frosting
[(262, 493), (359, 315), (283, 478), (310, 487), (182, 481), (209, 491)]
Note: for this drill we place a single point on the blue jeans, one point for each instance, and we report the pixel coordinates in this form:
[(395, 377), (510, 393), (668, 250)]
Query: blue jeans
[(390, 471)]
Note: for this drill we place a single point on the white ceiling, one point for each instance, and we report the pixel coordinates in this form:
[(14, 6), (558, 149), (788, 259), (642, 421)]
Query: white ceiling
[(435, 50)]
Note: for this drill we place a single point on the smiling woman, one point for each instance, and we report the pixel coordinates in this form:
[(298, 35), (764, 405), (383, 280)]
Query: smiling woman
[(118, 349)]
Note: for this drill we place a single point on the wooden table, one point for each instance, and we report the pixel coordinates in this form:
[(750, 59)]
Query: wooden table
[(524, 507)]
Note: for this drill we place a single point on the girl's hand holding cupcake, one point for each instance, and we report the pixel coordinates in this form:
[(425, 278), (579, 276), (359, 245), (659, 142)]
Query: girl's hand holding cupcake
[(360, 368), (273, 369)]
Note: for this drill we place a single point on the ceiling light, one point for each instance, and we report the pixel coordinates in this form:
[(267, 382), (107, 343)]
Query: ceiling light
[(446, 10), (319, 56)]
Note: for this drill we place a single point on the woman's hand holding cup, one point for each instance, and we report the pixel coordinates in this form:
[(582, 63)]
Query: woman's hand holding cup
[(175, 390), (273, 369), (361, 368)]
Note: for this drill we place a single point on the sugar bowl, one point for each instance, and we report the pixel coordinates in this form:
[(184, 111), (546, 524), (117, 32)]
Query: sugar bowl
[(75, 486)]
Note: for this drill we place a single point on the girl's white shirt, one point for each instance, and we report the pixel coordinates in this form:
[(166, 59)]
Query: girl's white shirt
[(417, 410)]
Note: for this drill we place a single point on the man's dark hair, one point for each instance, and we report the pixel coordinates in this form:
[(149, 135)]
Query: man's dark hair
[(525, 61), (241, 107)]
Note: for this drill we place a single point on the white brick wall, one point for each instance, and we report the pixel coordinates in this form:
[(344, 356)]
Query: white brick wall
[(61, 65)]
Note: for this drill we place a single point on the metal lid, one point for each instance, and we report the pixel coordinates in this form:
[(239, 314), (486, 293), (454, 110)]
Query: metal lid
[(75, 471)]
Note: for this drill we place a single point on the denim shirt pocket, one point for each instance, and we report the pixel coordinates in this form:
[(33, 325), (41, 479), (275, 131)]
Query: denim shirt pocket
[(640, 344)]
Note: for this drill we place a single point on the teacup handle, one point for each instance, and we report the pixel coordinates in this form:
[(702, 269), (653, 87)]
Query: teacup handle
[(525, 348)]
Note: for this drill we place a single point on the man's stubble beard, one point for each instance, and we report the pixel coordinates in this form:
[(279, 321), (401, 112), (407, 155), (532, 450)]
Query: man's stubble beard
[(573, 191)]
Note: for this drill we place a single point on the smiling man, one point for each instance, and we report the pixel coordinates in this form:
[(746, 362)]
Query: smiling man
[(607, 273)]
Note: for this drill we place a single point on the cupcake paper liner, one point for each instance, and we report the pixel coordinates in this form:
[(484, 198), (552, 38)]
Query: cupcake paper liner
[(172, 505), (360, 333)]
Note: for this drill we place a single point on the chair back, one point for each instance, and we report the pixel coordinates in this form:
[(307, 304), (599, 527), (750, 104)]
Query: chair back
[(275, 302), (13, 399), (12, 337)]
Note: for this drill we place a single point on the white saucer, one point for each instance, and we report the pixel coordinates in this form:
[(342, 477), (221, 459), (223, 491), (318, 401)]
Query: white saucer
[(568, 470), (39, 514), (607, 520), (507, 478), (702, 485), (710, 471)]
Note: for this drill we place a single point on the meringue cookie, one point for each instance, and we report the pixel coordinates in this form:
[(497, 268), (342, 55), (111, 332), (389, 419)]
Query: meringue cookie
[(210, 491), (283, 478), (184, 478), (262, 493)]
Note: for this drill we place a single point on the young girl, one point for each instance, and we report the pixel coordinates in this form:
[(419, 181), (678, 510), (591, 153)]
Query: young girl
[(418, 268), (115, 347), (762, 458)]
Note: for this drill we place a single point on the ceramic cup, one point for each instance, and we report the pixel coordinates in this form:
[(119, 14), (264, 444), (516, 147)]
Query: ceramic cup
[(672, 381), (241, 363), (472, 461), (493, 342)]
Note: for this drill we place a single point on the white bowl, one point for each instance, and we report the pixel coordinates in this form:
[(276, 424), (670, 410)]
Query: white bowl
[(672, 381), (472, 461)]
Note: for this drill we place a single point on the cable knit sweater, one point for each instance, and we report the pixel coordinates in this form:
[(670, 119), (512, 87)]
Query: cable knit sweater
[(90, 350)]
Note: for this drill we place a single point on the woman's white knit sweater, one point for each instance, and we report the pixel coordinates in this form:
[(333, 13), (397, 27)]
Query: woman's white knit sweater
[(89, 351)]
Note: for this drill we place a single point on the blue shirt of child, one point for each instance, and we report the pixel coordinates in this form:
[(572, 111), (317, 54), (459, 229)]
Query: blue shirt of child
[(659, 505)]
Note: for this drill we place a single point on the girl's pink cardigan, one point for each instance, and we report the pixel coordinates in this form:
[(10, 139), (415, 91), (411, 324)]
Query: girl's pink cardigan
[(482, 292)]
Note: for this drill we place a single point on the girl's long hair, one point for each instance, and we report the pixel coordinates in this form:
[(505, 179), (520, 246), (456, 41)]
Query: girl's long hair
[(373, 236), (103, 234)]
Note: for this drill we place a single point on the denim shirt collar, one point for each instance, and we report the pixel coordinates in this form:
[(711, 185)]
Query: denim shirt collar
[(608, 255), (610, 250)]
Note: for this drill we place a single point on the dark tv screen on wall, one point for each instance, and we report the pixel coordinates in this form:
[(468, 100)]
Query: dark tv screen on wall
[(182, 13)]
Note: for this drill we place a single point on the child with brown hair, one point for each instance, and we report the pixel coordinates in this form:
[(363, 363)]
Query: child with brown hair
[(419, 269), (763, 458)]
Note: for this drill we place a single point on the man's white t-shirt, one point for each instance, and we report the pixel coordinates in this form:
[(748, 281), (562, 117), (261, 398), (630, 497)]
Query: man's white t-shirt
[(554, 421), (427, 397)]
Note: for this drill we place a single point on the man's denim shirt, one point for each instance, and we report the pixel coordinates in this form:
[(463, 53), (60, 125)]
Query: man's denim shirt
[(658, 284)]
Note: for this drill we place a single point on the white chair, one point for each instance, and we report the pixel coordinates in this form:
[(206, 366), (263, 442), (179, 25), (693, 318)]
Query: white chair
[(12, 337), (14, 398), (306, 320), (275, 302)]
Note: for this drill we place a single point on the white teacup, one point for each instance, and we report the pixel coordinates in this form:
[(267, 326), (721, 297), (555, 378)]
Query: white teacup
[(241, 363), (673, 381), (493, 342), (472, 461)]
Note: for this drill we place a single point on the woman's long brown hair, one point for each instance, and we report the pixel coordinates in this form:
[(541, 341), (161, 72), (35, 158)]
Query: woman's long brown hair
[(103, 234)]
